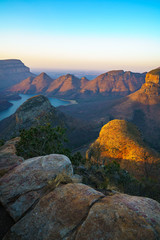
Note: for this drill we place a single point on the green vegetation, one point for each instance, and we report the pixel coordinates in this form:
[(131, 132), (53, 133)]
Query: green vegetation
[(41, 140), (44, 140), (113, 177)]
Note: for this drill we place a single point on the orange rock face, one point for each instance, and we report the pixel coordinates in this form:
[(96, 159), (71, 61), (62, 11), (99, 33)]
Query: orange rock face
[(121, 141), (152, 78), (143, 108)]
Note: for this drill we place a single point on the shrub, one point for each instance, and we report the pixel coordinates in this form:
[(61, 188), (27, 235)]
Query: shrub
[(41, 140)]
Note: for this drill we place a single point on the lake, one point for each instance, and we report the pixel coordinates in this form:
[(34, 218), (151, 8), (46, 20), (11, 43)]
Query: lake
[(16, 103)]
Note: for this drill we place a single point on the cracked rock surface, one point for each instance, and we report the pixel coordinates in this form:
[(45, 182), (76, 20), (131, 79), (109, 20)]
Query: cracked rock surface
[(23, 186), (76, 211)]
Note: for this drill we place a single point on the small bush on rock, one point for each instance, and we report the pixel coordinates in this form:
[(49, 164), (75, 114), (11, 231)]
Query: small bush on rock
[(41, 140)]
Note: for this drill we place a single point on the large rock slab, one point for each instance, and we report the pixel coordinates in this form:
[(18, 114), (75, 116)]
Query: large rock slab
[(57, 214), (122, 217), (76, 211), (21, 187), (8, 157)]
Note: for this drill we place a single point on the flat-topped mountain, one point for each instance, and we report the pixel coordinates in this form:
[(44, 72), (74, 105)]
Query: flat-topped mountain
[(33, 85), (143, 108), (12, 71), (115, 82)]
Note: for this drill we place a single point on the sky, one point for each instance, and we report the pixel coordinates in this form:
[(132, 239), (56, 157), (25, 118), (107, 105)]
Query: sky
[(99, 35)]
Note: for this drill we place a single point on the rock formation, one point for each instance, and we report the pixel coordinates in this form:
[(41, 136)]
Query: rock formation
[(31, 85), (8, 157), (35, 110), (67, 85), (44, 207), (12, 71), (143, 108), (32, 176), (38, 111), (121, 141), (114, 82)]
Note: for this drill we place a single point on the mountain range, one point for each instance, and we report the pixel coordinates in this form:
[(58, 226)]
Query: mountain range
[(110, 83)]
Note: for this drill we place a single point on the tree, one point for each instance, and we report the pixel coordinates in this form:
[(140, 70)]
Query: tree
[(41, 140)]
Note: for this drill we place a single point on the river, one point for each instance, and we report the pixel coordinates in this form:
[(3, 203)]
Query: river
[(16, 103)]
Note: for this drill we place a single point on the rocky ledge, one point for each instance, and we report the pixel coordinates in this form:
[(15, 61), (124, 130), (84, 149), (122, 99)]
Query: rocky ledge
[(45, 203)]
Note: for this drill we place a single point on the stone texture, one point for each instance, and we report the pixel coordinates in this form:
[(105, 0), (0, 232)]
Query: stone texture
[(121, 140), (8, 157), (122, 217), (57, 214), (76, 211), (21, 187), (150, 78)]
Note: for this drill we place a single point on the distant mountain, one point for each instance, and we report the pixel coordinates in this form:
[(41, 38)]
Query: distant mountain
[(114, 82), (67, 85), (110, 83), (84, 81), (33, 85), (12, 71), (143, 108)]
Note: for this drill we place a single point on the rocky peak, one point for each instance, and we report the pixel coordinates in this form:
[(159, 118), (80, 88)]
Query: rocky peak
[(33, 109), (152, 83), (37, 103), (153, 76), (69, 75), (43, 75), (121, 140), (84, 81)]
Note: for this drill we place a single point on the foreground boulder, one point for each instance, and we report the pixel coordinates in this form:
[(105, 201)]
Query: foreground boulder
[(76, 211), (25, 184), (8, 157)]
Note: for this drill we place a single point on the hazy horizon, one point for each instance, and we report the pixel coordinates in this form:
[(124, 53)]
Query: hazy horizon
[(81, 35)]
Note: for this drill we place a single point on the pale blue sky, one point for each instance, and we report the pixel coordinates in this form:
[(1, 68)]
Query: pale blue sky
[(89, 35)]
